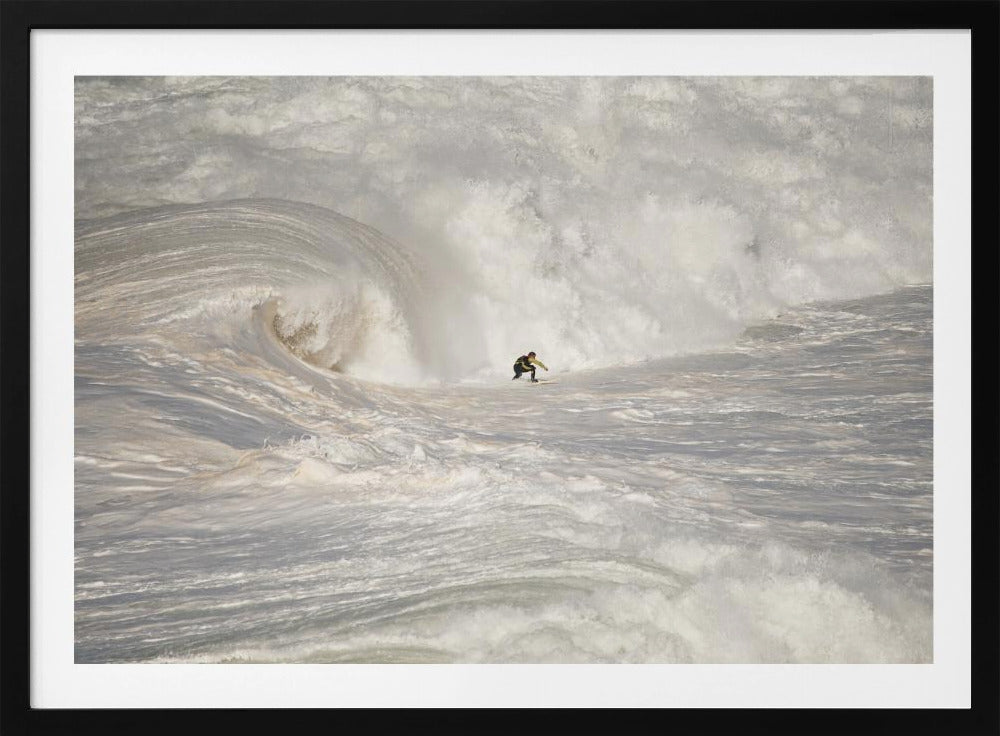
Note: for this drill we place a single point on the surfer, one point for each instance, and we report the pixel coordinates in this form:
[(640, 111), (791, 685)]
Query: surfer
[(527, 364)]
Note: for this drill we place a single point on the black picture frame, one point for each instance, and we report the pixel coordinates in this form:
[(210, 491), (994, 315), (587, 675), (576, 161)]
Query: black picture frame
[(19, 17)]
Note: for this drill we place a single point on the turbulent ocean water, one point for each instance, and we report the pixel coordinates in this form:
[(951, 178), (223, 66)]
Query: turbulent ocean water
[(297, 305)]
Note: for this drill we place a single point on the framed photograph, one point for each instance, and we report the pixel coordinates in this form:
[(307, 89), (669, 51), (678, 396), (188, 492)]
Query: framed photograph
[(448, 363)]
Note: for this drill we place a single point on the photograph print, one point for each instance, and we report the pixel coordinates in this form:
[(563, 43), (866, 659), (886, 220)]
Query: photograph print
[(483, 370)]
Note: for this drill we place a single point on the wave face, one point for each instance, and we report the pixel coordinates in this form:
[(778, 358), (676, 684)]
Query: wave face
[(331, 291), (601, 221)]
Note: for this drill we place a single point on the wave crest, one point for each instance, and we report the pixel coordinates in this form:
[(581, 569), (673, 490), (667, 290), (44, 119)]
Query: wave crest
[(335, 293)]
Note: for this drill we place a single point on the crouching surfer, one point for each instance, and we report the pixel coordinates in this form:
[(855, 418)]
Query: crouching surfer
[(527, 364)]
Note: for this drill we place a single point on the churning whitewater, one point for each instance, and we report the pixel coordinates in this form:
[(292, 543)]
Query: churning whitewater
[(297, 303)]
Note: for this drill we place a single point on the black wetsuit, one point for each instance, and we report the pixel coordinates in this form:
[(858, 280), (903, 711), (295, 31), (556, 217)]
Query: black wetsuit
[(525, 364)]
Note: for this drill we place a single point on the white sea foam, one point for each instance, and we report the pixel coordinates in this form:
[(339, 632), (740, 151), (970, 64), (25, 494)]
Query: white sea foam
[(601, 220)]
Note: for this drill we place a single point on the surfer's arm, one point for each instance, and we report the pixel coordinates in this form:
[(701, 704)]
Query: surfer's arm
[(537, 362)]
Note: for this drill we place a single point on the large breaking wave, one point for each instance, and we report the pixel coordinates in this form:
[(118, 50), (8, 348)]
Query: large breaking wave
[(346, 298), (595, 221), (332, 291)]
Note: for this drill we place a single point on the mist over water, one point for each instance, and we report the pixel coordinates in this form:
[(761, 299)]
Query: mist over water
[(604, 220), (297, 305)]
